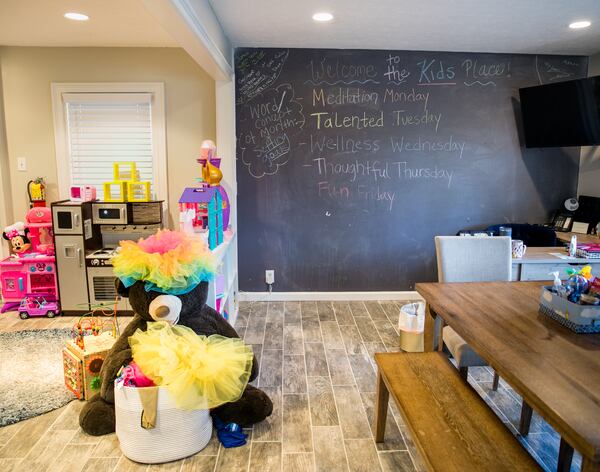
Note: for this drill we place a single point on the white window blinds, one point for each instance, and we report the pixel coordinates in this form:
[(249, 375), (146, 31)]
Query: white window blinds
[(104, 128)]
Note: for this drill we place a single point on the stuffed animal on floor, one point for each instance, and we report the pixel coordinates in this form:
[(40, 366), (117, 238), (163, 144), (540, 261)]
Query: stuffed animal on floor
[(166, 278)]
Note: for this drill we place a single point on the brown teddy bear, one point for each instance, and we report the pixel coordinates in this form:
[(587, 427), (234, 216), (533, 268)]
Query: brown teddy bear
[(188, 309)]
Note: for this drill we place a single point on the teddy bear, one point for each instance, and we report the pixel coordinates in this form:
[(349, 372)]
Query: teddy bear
[(149, 304)]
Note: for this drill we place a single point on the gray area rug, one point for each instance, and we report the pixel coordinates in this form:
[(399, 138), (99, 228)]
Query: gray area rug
[(31, 373)]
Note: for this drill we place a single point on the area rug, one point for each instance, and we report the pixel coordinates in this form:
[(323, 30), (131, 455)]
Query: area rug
[(31, 373)]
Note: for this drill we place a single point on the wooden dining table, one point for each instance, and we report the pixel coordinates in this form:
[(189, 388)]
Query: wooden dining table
[(556, 371)]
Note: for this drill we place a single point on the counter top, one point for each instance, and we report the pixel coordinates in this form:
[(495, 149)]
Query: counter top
[(544, 255), (581, 238)]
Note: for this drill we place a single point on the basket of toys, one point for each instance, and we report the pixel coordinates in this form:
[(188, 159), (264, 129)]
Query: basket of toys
[(163, 398), (574, 303)]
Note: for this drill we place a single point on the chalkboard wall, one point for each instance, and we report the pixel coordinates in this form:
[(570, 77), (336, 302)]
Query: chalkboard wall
[(349, 162)]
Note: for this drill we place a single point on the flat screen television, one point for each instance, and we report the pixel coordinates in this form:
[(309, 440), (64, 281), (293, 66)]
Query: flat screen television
[(562, 114)]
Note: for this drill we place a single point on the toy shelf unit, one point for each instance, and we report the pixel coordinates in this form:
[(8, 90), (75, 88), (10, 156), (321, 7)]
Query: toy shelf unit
[(222, 291)]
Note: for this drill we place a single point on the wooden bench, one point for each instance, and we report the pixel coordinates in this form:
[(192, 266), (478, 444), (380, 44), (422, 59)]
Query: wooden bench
[(450, 424)]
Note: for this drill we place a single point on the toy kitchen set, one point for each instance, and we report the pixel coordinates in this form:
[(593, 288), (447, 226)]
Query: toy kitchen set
[(86, 235), (28, 276)]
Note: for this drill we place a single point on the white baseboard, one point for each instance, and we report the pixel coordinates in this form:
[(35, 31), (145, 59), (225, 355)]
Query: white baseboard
[(327, 296)]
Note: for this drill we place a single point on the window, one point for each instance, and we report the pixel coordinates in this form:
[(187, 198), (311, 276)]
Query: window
[(97, 125)]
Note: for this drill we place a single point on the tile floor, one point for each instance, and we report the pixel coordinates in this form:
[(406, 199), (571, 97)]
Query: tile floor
[(317, 365)]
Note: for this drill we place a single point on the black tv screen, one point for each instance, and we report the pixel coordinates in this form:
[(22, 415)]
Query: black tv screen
[(562, 114)]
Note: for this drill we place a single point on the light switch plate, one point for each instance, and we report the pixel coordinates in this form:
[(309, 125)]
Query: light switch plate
[(21, 164)]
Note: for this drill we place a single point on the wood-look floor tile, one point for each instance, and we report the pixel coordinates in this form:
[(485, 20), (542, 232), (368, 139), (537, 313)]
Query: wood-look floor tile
[(352, 340), (271, 366), (7, 432), (72, 458), (292, 313), (83, 438), (362, 455), (258, 310), (396, 461), (44, 452), (332, 338), (274, 334), (330, 455), (294, 374), (376, 311), (270, 428), (309, 311), (255, 331), (339, 367), (293, 342), (299, 462), (316, 362), (358, 309), (325, 311), (100, 464), (265, 457), (174, 466), (296, 424), (257, 350), (353, 419), (388, 334), (311, 330), (343, 315), (243, 315), (414, 453), (275, 311), (233, 459), (108, 447), (363, 372), (12, 465), (126, 465), (367, 329), (24, 439), (391, 309), (69, 418), (393, 437), (322, 404), (199, 464), (372, 349)]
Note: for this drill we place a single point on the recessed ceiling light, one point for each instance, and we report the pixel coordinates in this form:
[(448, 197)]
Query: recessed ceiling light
[(322, 16), (580, 24), (76, 16)]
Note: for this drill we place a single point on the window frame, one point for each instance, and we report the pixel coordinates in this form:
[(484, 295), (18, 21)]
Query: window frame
[(159, 145)]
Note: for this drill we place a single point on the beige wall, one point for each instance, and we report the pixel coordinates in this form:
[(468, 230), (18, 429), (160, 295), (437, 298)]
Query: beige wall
[(28, 72), (5, 191), (589, 167)]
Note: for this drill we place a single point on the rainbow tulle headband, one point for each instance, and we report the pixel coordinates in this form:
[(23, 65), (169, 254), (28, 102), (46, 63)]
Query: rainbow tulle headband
[(169, 262)]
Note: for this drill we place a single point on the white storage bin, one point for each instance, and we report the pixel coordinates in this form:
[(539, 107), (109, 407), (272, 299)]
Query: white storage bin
[(177, 433)]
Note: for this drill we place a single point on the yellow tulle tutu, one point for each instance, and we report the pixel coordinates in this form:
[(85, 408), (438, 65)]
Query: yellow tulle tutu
[(199, 372)]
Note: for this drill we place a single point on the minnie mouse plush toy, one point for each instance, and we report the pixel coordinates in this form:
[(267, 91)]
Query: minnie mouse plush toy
[(17, 235)]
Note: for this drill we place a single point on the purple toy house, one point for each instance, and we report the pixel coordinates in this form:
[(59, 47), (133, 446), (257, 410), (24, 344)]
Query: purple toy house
[(204, 206)]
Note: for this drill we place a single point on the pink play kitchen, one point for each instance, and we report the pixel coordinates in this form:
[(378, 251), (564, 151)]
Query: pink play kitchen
[(28, 275)]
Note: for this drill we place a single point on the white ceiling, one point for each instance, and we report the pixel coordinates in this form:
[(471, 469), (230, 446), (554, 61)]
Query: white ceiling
[(514, 26), (112, 23)]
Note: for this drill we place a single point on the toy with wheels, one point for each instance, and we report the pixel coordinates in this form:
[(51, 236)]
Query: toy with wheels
[(38, 304)]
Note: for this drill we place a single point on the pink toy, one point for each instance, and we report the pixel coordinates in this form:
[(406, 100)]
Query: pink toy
[(38, 304), (132, 376), (83, 193), (18, 235), (39, 227)]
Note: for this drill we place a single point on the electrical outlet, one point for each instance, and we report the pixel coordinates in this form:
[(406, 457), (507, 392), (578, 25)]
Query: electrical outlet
[(21, 164), (270, 277)]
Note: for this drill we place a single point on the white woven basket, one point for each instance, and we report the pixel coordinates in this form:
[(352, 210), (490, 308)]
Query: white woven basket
[(178, 433)]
